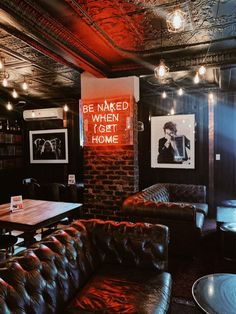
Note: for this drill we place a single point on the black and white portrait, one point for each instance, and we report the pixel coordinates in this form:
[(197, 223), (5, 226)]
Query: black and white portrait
[(48, 146), (172, 141)]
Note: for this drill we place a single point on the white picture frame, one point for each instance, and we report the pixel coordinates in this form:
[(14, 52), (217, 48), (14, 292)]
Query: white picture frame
[(177, 151), (48, 146)]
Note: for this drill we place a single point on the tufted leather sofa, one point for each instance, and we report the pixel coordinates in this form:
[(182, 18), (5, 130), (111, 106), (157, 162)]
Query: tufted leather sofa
[(90, 266), (182, 207)]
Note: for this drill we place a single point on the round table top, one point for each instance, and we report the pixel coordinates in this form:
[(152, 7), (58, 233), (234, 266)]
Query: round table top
[(216, 293), (229, 203), (229, 227)]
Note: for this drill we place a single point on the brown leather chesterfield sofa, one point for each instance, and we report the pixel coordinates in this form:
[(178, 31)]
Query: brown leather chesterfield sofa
[(90, 266), (181, 207)]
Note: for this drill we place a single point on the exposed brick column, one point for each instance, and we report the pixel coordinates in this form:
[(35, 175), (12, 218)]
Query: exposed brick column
[(110, 175)]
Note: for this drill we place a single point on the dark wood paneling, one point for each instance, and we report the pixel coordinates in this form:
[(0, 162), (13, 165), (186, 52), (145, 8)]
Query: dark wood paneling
[(195, 103), (225, 145)]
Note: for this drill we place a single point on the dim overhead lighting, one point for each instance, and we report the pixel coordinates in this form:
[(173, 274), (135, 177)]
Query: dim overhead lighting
[(161, 70), (176, 21), (180, 92), (163, 95), (65, 108), (14, 93), (9, 106), (196, 78), (202, 70)]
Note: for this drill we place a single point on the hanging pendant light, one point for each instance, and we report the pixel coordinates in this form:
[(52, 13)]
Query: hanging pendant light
[(164, 95), (9, 106), (14, 93), (202, 70), (5, 79), (176, 21), (196, 78), (180, 91), (161, 70), (25, 85), (65, 108)]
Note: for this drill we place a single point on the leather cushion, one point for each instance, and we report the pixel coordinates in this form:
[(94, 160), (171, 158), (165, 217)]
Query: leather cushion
[(124, 290)]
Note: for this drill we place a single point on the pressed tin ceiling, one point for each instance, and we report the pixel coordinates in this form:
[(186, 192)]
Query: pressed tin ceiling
[(113, 38)]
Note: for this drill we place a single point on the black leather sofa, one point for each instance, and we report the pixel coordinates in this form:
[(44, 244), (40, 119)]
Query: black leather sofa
[(181, 207), (90, 266), (53, 191)]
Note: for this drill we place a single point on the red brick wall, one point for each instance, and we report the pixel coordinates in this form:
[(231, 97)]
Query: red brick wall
[(110, 175)]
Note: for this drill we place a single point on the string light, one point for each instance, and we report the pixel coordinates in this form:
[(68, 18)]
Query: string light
[(65, 108), (9, 106)]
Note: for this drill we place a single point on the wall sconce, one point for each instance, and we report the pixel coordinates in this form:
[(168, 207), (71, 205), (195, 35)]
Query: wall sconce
[(161, 70), (176, 21)]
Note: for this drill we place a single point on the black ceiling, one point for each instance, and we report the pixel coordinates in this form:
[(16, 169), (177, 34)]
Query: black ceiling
[(51, 42)]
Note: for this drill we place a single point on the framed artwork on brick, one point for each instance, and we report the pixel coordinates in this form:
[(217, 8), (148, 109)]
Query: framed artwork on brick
[(48, 146), (173, 141)]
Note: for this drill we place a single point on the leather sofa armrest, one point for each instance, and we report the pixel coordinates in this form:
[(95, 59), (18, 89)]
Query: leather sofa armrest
[(199, 210)]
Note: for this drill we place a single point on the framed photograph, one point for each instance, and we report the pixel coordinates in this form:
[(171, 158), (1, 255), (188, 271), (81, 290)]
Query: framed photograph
[(173, 141), (48, 146)]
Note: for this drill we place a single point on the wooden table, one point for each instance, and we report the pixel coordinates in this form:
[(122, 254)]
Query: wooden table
[(216, 293), (36, 214)]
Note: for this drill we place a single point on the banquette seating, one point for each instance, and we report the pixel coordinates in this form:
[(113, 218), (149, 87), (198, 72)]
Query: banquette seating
[(181, 207), (91, 266)]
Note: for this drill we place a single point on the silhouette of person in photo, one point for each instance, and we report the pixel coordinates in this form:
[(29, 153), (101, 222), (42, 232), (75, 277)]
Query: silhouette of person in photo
[(47, 151), (38, 144), (172, 148)]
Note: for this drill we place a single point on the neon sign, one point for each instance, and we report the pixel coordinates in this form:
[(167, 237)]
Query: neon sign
[(107, 121)]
